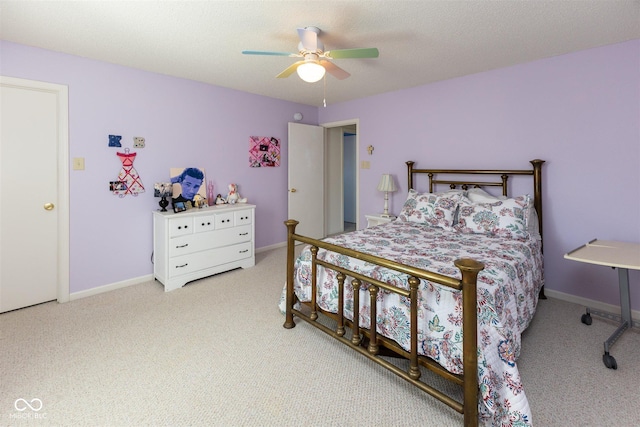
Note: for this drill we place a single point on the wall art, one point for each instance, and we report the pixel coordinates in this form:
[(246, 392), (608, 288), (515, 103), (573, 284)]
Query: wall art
[(187, 186), (264, 151)]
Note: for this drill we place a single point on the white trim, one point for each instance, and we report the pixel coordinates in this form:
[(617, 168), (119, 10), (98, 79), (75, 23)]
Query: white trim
[(62, 204), (112, 287), (347, 123), (268, 248), (596, 305)]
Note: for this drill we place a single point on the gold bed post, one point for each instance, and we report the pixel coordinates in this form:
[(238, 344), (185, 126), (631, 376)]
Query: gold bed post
[(291, 229), (470, 269), (410, 169), (537, 189)]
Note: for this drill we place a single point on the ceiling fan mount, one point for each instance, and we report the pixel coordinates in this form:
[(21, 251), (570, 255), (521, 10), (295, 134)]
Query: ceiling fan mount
[(311, 49)]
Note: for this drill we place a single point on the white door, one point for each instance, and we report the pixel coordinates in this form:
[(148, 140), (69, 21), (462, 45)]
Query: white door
[(306, 179), (33, 209)]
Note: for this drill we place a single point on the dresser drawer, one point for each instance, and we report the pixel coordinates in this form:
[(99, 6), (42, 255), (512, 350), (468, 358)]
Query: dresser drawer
[(203, 223), (202, 260), (213, 239), (243, 217), (224, 220), (180, 226)]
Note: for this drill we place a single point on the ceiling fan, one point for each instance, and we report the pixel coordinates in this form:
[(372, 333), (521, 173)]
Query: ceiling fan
[(316, 60)]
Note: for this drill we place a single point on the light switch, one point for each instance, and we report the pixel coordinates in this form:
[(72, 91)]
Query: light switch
[(78, 163), (365, 164)]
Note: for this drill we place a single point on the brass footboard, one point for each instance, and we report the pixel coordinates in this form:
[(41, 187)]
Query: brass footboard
[(469, 268)]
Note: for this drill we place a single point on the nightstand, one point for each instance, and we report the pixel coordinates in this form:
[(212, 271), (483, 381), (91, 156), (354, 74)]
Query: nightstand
[(373, 220)]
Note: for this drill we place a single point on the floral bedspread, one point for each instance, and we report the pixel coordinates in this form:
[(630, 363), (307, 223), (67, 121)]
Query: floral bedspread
[(508, 290)]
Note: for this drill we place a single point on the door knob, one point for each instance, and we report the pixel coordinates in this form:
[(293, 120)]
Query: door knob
[(293, 190), (48, 206)]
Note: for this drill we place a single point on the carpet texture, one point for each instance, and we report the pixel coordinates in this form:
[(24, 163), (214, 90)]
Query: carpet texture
[(214, 353)]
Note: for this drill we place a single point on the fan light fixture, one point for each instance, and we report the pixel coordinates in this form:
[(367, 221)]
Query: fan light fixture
[(310, 72)]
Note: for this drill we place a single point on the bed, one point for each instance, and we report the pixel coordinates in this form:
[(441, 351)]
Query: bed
[(452, 283)]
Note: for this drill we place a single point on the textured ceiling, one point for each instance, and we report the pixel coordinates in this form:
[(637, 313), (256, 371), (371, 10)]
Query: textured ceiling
[(419, 41)]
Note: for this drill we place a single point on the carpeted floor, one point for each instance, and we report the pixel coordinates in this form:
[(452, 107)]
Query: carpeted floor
[(214, 353)]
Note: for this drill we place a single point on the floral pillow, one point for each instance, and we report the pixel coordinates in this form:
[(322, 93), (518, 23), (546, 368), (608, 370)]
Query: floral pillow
[(506, 218), (435, 209)]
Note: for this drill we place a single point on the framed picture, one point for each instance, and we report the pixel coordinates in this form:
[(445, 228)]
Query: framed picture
[(179, 206), (264, 152), (187, 184)]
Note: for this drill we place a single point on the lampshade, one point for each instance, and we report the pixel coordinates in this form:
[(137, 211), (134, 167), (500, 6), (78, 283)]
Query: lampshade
[(387, 183), (310, 72)]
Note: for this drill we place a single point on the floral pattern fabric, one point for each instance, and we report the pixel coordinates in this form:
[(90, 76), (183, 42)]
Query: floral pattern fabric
[(435, 209), (507, 218), (507, 298)]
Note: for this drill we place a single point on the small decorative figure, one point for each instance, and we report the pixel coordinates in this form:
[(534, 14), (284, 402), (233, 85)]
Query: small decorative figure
[(114, 141), (233, 197), (220, 200)]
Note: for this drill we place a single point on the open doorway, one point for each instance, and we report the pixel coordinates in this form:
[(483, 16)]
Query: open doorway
[(341, 177)]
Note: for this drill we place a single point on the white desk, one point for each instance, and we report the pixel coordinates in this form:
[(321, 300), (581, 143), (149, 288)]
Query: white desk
[(620, 255)]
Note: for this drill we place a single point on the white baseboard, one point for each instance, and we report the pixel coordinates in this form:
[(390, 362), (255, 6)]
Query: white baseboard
[(110, 287), (268, 248), (596, 305)]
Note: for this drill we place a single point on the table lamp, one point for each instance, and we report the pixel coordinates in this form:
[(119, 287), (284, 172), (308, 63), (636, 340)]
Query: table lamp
[(387, 185), (163, 190)]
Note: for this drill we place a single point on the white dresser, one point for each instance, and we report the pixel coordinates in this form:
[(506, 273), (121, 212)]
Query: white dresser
[(200, 242)]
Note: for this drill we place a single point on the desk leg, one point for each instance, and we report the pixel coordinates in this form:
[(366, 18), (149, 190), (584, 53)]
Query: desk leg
[(626, 322), (625, 298)]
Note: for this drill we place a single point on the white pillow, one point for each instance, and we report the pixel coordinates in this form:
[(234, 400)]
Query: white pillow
[(478, 195)]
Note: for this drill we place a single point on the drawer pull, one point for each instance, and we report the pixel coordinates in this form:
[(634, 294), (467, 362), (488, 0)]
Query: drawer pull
[(185, 227), (243, 234), (182, 246), (245, 251), (183, 265)]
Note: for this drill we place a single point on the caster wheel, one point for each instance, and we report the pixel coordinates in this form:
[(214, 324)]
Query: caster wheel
[(586, 319), (609, 361)]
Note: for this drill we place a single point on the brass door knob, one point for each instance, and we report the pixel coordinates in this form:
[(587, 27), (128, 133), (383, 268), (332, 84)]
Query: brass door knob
[(293, 190), (49, 206)]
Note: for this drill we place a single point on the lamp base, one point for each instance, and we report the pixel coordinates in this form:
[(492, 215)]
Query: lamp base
[(163, 204)]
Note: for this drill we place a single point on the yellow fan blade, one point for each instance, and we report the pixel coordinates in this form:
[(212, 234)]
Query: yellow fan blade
[(289, 70)]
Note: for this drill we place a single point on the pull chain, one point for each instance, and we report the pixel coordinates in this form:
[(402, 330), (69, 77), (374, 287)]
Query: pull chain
[(324, 88)]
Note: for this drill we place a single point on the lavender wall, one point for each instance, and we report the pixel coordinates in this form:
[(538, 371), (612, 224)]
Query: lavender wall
[(579, 112), (184, 123)]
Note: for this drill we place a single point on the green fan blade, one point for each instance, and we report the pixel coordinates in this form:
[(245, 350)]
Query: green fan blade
[(370, 52)]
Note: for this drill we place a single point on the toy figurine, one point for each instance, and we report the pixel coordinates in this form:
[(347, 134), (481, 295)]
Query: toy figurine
[(233, 197), (220, 200)]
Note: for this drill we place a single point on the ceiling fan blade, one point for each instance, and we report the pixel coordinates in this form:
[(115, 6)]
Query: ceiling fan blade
[(308, 38), (260, 52), (334, 70), (369, 52), (289, 70)]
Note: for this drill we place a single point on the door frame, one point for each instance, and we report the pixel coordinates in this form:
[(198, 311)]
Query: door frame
[(62, 205), (350, 122)]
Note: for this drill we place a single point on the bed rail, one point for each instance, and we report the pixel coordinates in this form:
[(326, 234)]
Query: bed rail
[(469, 269)]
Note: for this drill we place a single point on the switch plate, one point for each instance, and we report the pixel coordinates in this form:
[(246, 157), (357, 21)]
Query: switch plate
[(78, 163), (138, 142), (365, 164)]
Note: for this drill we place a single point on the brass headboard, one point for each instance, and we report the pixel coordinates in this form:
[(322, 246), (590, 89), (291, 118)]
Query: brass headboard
[(503, 174)]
